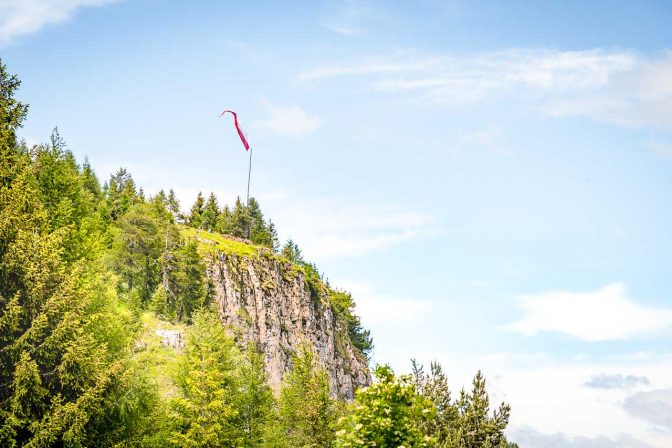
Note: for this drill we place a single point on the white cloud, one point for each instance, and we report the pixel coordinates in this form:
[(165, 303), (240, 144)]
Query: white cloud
[(375, 308), (654, 406), (367, 68), (605, 314), (344, 30), (330, 228), (290, 119), (616, 381), (619, 87), (21, 17)]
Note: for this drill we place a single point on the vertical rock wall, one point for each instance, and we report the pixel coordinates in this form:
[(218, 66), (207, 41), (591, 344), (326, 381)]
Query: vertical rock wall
[(269, 302)]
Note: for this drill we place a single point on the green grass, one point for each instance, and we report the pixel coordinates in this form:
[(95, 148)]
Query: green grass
[(209, 242)]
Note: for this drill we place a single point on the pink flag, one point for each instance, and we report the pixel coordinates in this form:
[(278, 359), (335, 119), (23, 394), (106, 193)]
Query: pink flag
[(240, 131)]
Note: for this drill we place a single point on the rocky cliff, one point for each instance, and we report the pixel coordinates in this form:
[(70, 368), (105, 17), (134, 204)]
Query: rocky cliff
[(279, 306)]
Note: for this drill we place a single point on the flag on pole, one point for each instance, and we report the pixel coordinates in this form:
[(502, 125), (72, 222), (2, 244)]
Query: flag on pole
[(240, 131)]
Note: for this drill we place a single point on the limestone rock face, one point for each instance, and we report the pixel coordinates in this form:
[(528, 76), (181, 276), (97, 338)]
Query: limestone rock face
[(270, 302)]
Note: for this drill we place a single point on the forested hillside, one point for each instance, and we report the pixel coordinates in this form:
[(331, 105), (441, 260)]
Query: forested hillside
[(91, 273)]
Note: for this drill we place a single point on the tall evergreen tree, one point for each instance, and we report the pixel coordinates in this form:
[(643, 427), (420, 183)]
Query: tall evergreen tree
[(205, 412), (225, 221), (173, 204), (240, 220), (306, 413), (292, 252), (196, 213), (254, 401), (136, 251), (62, 345), (210, 215), (121, 193)]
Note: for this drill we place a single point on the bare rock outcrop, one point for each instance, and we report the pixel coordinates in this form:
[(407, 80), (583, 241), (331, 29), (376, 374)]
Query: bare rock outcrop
[(271, 303)]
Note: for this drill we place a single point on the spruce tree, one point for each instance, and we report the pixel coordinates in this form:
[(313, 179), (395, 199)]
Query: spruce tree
[(306, 412), (63, 344), (205, 412), (210, 215), (121, 193), (292, 252), (189, 282), (240, 220), (136, 250), (254, 401), (173, 204), (196, 213)]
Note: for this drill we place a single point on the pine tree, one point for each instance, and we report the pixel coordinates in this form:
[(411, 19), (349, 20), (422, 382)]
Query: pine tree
[(173, 204), (189, 282), (210, 215), (225, 221), (465, 423), (12, 112), (240, 220), (476, 427), (121, 193), (196, 213), (205, 412), (292, 252), (136, 251), (254, 401), (306, 413), (275, 242)]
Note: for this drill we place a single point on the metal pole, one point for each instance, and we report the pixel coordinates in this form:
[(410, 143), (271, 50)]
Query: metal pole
[(249, 173)]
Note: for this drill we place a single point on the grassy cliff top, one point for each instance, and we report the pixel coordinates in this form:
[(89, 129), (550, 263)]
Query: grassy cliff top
[(209, 242)]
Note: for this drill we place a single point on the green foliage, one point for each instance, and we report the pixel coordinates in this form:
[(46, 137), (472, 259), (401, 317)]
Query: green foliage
[(204, 413), (120, 193), (210, 215), (196, 213), (136, 250), (173, 204), (388, 413), (66, 375), (254, 401), (292, 252), (343, 307), (466, 422), (12, 111), (306, 412)]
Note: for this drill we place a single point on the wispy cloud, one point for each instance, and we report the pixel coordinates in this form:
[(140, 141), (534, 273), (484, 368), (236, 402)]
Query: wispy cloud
[(290, 119), (375, 308), (654, 406), (330, 228), (615, 381), (348, 18), (605, 314), (367, 68), (620, 87), (21, 17)]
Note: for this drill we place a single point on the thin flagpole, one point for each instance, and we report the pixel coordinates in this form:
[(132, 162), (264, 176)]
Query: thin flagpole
[(249, 173)]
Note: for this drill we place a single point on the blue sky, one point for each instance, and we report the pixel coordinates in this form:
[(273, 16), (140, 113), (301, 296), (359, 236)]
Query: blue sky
[(492, 180)]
